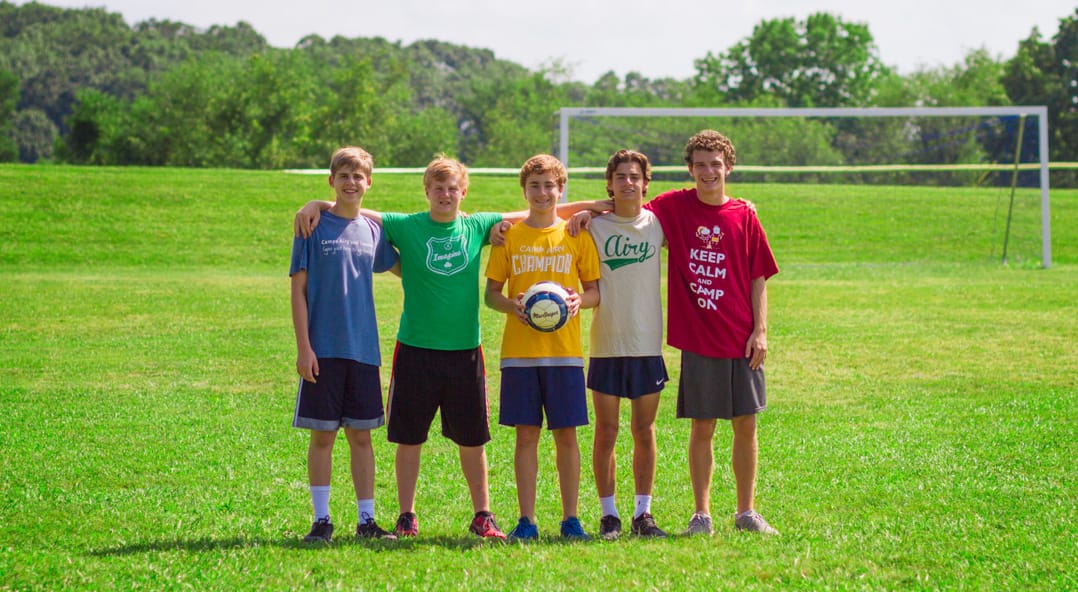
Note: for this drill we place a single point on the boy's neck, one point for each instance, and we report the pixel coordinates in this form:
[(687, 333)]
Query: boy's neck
[(717, 198), (443, 218), (544, 219), (345, 210), (627, 209)]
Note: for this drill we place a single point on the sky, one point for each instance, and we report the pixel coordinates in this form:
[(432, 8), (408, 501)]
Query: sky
[(656, 39)]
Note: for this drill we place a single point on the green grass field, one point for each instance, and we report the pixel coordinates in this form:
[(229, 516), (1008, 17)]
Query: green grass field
[(921, 432)]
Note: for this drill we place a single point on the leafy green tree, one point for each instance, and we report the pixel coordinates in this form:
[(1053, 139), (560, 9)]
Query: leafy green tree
[(1046, 73), (35, 135), (509, 120), (9, 96), (94, 126), (819, 62)]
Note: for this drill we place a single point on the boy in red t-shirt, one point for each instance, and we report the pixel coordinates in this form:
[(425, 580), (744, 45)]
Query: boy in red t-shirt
[(719, 261)]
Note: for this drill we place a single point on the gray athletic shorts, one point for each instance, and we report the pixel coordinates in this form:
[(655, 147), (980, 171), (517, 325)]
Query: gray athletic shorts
[(719, 388)]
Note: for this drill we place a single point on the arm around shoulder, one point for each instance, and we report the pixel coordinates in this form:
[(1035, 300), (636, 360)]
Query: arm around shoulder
[(307, 217)]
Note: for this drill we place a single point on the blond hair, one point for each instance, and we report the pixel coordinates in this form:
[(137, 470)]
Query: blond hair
[(442, 168)]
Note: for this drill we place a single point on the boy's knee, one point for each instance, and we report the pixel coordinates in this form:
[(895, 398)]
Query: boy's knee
[(606, 434)]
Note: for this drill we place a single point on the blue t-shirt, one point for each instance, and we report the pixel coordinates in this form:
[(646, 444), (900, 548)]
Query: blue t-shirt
[(339, 258)]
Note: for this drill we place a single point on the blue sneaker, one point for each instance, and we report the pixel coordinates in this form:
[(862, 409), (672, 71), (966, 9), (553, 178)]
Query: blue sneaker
[(524, 531), (571, 529)]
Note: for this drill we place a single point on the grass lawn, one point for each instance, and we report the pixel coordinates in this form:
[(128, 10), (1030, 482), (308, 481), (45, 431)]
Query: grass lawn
[(921, 429)]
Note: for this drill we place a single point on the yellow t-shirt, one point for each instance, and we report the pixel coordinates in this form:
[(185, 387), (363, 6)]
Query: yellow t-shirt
[(530, 255)]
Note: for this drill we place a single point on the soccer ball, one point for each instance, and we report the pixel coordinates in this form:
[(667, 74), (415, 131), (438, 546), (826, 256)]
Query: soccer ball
[(545, 306)]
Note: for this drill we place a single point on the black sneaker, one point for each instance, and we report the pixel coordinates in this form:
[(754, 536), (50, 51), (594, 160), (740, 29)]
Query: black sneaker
[(609, 527), (321, 531), (407, 525), (644, 525), (369, 529)]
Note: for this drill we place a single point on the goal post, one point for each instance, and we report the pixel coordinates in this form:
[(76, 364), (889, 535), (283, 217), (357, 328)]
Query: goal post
[(1039, 112)]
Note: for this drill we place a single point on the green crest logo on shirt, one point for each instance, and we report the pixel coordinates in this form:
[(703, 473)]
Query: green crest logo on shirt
[(447, 256)]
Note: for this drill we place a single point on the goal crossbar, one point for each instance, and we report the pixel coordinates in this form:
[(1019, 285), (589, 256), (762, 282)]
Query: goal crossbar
[(1038, 111)]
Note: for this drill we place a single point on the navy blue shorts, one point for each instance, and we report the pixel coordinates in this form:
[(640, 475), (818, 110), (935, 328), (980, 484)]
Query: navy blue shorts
[(629, 377), (348, 393), (529, 391)]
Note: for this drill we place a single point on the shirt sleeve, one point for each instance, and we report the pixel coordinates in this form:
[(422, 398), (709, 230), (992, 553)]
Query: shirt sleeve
[(300, 255), (589, 258), (498, 264), (761, 259), (385, 256)]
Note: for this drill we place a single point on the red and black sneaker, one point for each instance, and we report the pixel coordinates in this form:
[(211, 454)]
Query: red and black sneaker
[(484, 526), (407, 525)]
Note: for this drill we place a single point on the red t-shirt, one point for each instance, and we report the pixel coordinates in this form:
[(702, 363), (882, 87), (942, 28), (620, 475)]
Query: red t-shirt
[(714, 254)]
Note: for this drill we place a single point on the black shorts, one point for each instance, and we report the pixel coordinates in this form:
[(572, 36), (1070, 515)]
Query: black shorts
[(719, 388), (348, 393), (426, 380)]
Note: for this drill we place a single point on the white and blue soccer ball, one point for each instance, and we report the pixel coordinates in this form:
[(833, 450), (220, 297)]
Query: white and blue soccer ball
[(545, 305)]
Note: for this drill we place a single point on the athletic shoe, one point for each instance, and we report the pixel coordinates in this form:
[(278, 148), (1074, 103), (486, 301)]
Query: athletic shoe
[(484, 526), (571, 529), (699, 524), (752, 522), (321, 531), (524, 531), (369, 529), (644, 525), (407, 525), (609, 527)]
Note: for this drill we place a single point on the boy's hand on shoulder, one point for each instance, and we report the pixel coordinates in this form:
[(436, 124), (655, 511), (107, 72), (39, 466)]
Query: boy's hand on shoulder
[(748, 203), (602, 206), (579, 221), (307, 219), (497, 233)]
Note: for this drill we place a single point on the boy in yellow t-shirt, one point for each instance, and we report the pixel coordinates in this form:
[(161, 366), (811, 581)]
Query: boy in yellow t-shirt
[(543, 372)]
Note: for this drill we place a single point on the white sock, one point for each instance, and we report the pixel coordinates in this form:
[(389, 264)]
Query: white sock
[(320, 501), (643, 504), (365, 506), (609, 508)]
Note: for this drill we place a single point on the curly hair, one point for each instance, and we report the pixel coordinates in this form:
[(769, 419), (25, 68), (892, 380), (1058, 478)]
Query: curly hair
[(710, 141)]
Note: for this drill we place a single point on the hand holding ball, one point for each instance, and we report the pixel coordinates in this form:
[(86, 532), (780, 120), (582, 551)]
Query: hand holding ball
[(546, 306)]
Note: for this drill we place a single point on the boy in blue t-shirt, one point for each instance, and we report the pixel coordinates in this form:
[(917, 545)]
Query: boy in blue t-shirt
[(337, 348)]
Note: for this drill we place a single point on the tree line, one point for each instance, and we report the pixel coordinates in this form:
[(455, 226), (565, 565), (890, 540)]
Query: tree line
[(82, 86)]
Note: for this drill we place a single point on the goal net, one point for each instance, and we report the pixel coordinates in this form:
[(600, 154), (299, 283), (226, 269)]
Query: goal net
[(988, 166)]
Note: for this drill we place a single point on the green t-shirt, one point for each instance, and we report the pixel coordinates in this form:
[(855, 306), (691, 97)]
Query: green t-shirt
[(440, 277)]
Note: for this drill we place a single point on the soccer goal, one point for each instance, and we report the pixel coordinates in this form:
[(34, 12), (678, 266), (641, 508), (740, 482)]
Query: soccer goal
[(1002, 151)]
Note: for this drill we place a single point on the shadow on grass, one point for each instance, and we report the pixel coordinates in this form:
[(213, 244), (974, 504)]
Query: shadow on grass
[(204, 544)]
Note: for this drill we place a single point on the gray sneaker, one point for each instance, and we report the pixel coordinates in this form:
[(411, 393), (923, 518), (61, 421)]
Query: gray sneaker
[(699, 524), (752, 522)]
